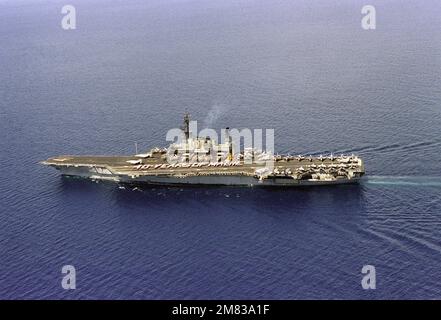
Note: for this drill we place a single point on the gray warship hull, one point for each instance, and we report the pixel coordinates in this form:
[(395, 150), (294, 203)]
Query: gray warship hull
[(156, 171), (202, 161)]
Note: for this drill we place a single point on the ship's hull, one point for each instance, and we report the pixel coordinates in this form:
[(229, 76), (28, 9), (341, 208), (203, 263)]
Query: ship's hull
[(202, 161), (236, 181), (220, 180)]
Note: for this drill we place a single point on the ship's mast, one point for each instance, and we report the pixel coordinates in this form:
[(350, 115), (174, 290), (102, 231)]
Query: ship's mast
[(186, 126)]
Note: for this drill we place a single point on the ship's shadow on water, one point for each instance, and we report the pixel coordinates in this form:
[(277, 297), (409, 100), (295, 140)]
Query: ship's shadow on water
[(167, 198)]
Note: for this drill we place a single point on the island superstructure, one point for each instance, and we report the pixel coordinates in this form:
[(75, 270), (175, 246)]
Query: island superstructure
[(203, 161)]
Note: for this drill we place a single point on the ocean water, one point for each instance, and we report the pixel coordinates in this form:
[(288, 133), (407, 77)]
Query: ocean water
[(304, 68)]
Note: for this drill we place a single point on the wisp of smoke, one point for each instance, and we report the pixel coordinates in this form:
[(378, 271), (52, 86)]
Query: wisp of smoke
[(213, 114)]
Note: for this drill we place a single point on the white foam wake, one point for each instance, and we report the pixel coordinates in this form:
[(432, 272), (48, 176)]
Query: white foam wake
[(421, 181)]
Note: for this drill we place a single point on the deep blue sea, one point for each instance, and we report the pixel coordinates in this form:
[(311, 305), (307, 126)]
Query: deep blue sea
[(304, 68)]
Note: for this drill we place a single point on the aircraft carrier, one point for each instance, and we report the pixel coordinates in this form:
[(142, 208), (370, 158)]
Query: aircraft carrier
[(202, 161)]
